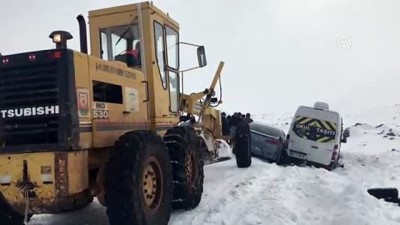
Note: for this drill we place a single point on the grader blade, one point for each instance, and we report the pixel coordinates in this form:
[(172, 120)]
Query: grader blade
[(223, 153), (209, 161)]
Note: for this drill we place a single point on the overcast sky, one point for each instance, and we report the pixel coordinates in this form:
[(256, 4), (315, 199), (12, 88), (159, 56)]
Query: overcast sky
[(278, 54)]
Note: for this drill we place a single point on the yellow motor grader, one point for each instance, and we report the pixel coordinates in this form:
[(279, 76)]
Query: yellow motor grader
[(75, 126)]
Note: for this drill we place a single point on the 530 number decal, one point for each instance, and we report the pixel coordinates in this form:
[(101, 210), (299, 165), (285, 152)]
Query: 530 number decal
[(100, 114)]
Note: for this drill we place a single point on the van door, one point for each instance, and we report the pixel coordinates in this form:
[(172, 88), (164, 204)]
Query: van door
[(314, 138)]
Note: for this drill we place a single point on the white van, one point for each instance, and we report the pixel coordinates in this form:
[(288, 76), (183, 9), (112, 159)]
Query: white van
[(315, 136)]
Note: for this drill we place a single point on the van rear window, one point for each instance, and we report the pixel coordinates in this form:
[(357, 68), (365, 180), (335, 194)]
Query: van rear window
[(314, 129), (265, 129)]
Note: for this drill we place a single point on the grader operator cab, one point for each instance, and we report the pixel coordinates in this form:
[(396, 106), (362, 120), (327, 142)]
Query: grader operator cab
[(76, 126)]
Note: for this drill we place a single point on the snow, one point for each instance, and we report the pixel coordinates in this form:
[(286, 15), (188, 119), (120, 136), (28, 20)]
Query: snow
[(269, 194), (224, 150)]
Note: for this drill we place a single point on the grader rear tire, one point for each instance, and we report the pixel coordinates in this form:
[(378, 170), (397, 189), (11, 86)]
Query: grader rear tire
[(187, 161), (138, 181)]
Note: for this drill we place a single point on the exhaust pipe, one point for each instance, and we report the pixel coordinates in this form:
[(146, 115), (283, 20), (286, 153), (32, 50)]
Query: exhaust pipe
[(82, 33)]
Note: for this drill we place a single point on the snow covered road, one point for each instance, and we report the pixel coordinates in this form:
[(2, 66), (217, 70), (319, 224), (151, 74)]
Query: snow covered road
[(268, 194)]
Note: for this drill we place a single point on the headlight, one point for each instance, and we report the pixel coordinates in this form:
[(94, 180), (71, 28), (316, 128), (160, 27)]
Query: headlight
[(60, 38), (57, 38)]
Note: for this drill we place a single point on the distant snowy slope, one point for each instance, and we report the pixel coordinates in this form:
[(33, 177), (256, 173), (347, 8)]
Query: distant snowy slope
[(388, 115)]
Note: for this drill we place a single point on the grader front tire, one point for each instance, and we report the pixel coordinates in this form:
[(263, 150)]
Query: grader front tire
[(8, 215), (243, 150), (187, 161), (138, 181)]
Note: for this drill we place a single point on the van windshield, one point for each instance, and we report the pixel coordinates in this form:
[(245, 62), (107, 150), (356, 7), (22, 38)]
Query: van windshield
[(315, 129)]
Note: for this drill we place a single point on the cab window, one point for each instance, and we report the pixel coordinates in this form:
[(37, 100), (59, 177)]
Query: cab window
[(174, 91), (121, 43), (172, 44), (159, 47), (172, 48), (167, 55)]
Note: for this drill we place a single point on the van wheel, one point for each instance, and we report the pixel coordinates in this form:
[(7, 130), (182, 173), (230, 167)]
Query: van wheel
[(138, 180), (284, 159), (281, 157), (187, 160), (340, 162), (332, 165), (242, 150)]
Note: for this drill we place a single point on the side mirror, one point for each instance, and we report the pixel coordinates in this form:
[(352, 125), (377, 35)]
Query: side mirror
[(201, 56), (346, 133)]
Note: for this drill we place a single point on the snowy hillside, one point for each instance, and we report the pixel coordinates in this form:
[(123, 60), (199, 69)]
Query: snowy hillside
[(273, 195)]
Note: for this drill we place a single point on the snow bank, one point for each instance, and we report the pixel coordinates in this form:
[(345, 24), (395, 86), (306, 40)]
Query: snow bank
[(224, 150)]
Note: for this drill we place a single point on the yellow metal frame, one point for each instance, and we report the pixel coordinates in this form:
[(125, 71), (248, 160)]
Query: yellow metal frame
[(62, 178)]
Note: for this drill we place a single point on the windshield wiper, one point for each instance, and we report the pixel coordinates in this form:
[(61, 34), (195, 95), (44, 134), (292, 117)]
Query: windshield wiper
[(123, 35)]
